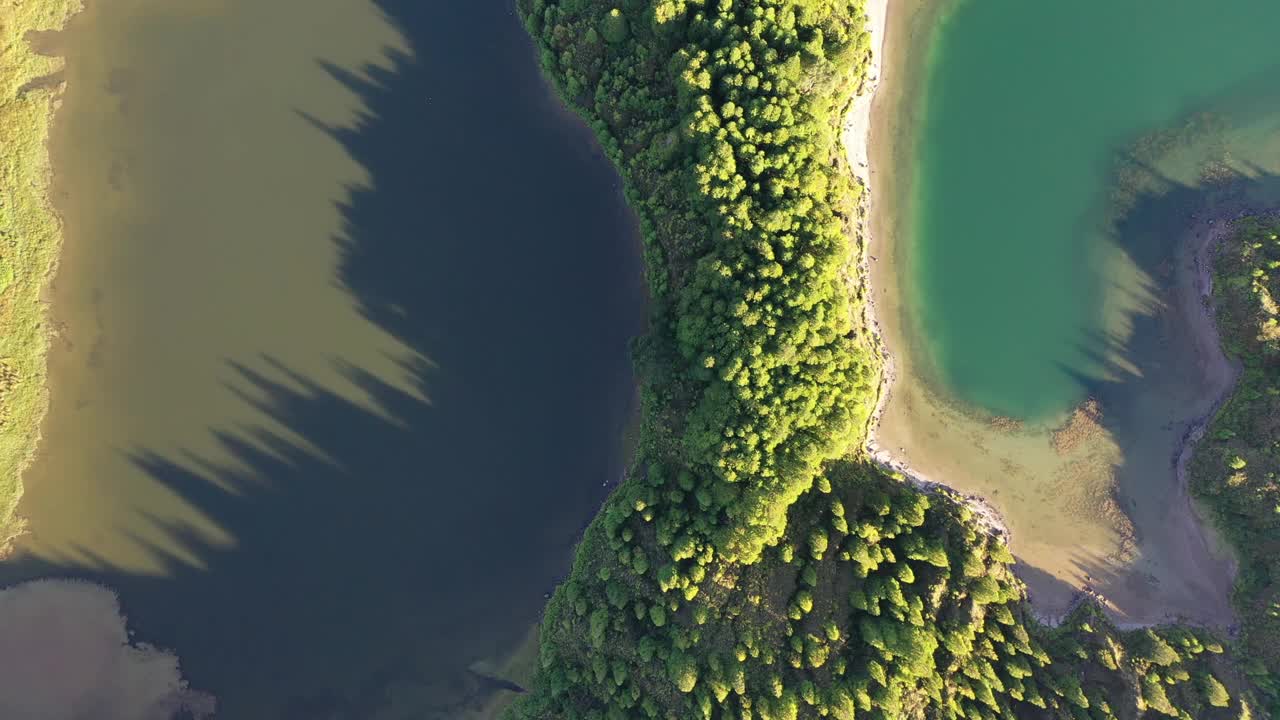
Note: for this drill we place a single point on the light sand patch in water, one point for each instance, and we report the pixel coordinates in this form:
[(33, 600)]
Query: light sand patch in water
[(65, 654)]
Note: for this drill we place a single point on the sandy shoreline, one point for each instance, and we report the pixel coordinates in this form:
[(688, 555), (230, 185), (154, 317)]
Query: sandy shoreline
[(857, 123), (857, 142), (857, 131)]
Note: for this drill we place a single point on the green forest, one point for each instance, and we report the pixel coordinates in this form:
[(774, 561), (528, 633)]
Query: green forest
[(754, 565)]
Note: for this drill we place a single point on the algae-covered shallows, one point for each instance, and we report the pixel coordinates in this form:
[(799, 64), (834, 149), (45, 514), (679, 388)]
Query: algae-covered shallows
[(346, 299), (1026, 282)]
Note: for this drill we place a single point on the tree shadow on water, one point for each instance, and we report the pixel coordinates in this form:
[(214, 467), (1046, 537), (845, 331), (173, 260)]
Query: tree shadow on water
[(1156, 381), (378, 551)]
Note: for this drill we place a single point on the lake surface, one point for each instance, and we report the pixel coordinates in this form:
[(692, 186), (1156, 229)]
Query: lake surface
[(342, 367), (1029, 105), (1048, 167)]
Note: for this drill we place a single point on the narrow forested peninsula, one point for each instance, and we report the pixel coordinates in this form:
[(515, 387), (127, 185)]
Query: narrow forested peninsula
[(754, 564)]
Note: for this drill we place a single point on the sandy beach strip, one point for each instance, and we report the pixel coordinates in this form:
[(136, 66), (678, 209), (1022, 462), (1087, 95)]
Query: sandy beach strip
[(857, 124), (856, 133)]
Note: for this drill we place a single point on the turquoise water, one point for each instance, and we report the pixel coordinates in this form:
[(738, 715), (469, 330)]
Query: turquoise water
[(1018, 285)]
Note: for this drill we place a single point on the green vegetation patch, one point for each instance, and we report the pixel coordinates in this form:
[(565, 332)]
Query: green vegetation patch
[(30, 236), (1235, 471)]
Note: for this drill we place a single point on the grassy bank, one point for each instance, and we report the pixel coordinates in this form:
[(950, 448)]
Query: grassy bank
[(753, 565), (1235, 471), (30, 236)]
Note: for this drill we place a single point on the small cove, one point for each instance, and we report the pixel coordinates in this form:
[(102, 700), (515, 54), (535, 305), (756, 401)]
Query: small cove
[(1038, 226), (342, 360)]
